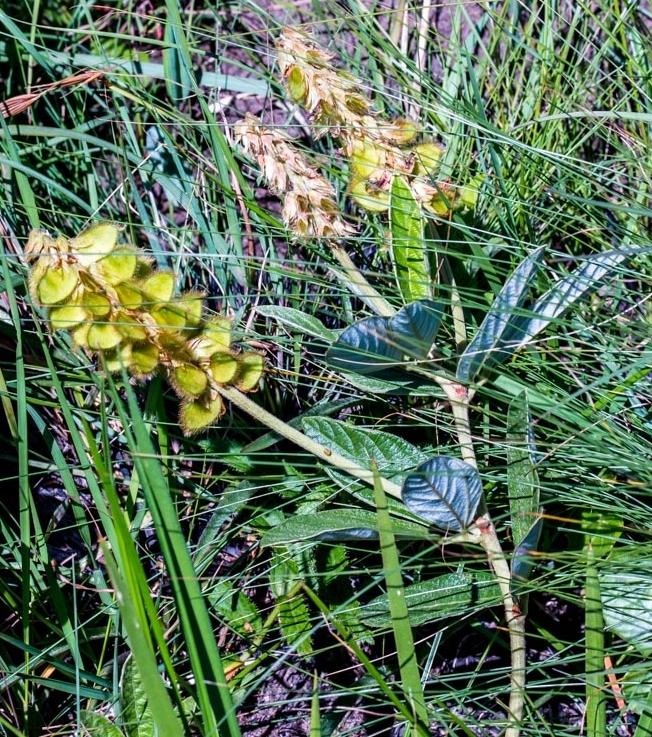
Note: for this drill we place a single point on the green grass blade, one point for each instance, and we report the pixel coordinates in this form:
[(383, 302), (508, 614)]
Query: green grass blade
[(407, 655)]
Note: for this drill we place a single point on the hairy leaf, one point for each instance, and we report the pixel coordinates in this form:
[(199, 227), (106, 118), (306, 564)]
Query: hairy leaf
[(450, 595), (338, 524)]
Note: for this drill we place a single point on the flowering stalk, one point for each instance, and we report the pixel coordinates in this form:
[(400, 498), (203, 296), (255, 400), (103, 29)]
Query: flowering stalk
[(113, 303)]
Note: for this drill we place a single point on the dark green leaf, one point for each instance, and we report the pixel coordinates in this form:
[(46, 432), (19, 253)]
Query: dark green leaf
[(525, 557), (392, 454), (375, 344), (415, 326), (451, 595), (340, 525), (365, 348), (567, 291), (444, 491), (493, 341)]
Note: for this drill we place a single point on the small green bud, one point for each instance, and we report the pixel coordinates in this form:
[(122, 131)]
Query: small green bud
[(96, 303), (158, 286), (115, 268), (95, 242), (65, 317), (57, 283), (369, 197), (130, 327), (214, 337), (144, 359), (428, 156)]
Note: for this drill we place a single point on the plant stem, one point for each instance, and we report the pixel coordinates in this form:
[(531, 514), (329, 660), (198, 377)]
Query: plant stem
[(459, 397), (360, 286), (303, 441)]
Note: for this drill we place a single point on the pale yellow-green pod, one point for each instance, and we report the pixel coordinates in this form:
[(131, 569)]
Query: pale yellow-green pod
[(102, 336), (252, 366), (188, 380), (224, 367), (196, 415), (65, 317), (144, 359), (95, 242), (56, 283)]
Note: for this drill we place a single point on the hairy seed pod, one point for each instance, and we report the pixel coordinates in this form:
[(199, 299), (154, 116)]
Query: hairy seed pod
[(223, 367), (188, 380), (250, 372), (95, 242), (196, 415)]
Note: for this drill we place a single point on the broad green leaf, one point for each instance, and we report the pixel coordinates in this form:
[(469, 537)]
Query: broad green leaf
[(567, 291), (392, 454), (626, 590), (294, 618), (408, 243), (522, 477), (491, 344), (365, 347), (339, 525), (136, 714), (445, 491), (299, 321), (94, 724), (450, 595), (375, 344), (415, 327)]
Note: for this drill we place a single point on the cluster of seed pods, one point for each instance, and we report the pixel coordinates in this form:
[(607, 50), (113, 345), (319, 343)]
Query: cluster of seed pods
[(114, 303)]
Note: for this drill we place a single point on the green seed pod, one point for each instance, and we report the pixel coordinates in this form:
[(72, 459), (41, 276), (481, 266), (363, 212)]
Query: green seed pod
[(196, 415), (168, 317), (95, 242), (118, 358), (129, 296), (144, 360), (365, 159), (296, 85), (130, 327), (79, 334), (102, 336), (192, 304), (224, 367), (115, 268), (428, 156), (158, 286), (369, 197), (215, 337), (65, 317), (97, 304), (188, 380), (399, 132), (251, 370), (57, 283)]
